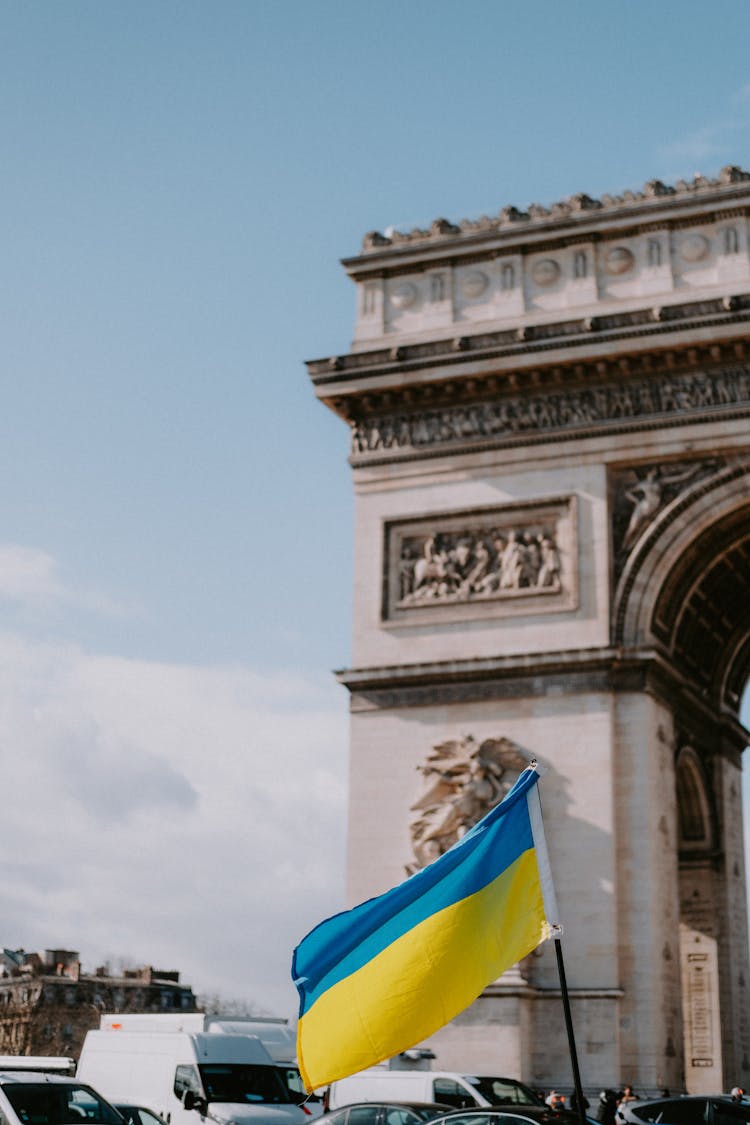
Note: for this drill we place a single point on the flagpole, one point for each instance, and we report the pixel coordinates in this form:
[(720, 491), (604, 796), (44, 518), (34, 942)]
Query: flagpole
[(571, 1038), (553, 919)]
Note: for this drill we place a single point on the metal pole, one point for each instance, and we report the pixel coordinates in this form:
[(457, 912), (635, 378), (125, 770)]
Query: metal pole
[(571, 1037)]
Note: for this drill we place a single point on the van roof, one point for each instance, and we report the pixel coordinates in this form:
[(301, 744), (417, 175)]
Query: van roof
[(276, 1036), (205, 1046), (47, 1063), (21, 1076)]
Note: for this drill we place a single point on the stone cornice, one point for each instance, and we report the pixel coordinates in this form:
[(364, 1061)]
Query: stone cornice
[(535, 992), (655, 203), (527, 675), (358, 374), (444, 671)]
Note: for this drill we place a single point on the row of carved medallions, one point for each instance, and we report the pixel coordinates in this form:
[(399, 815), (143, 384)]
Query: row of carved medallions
[(692, 247), (462, 781), (677, 397), (641, 493), (495, 555)]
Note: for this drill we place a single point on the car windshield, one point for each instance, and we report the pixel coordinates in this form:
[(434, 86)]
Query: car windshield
[(505, 1091), (241, 1082), (52, 1103)]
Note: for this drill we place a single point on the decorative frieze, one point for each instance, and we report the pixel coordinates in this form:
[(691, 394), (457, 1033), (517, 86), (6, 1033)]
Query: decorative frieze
[(677, 397), (514, 559)]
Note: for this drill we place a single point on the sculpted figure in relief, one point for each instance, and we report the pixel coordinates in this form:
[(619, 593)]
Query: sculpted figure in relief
[(646, 496), (464, 780)]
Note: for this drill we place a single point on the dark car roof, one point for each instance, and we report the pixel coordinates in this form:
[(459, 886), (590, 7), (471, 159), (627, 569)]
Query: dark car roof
[(437, 1108), (533, 1112), (664, 1109)]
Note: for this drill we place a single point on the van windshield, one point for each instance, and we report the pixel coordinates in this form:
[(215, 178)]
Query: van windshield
[(504, 1091), (51, 1103), (242, 1082), (295, 1087)]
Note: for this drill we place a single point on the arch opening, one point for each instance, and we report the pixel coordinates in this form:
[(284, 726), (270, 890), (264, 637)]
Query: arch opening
[(684, 593)]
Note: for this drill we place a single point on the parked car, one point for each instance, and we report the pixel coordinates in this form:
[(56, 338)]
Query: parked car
[(138, 1114), (692, 1109), (510, 1115), (385, 1113), (36, 1098)]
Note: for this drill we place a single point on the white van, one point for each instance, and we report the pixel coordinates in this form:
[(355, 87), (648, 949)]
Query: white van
[(459, 1090), (276, 1035), (186, 1077)]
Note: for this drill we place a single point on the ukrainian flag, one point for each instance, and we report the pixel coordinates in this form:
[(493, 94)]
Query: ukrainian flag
[(377, 979)]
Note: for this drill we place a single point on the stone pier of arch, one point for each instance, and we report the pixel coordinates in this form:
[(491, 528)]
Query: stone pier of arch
[(550, 421)]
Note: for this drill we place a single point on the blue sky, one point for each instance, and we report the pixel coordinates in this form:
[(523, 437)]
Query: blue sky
[(179, 182)]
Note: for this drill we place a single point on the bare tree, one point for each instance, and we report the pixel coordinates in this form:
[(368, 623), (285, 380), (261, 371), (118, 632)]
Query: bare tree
[(214, 1004)]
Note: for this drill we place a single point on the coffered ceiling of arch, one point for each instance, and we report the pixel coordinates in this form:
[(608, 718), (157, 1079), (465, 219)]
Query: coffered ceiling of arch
[(702, 613)]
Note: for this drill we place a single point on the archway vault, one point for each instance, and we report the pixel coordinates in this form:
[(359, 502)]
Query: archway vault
[(683, 598), (685, 588)]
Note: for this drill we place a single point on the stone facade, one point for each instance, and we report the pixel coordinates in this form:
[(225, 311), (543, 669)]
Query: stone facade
[(569, 383), (47, 1004)]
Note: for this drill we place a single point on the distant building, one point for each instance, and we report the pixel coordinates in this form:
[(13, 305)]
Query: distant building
[(47, 1003)]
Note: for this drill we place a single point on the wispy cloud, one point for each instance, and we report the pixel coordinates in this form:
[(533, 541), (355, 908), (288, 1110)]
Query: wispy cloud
[(27, 574), (711, 145), (742, 95), (32, 580), (707, 143)]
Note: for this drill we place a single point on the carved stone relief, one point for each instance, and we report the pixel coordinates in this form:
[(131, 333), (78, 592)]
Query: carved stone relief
[(640, 493), (497, 555), (501, 419), (463, 780), (619, 260)]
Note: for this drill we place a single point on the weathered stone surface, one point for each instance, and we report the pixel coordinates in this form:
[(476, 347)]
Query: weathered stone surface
[(576, 374)]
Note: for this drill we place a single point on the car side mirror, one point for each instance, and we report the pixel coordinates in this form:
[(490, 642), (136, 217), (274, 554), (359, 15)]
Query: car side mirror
[(191, 1100)]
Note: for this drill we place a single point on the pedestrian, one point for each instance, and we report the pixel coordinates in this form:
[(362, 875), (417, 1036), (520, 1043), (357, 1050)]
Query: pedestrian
[(737, 1094), (606, 1108), (574, 1102), (628, 1095)]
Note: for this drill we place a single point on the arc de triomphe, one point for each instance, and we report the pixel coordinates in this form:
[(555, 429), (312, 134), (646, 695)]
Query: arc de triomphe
[(551, 457)]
